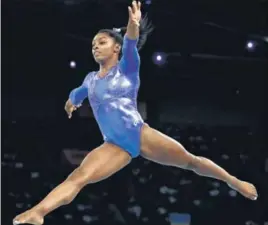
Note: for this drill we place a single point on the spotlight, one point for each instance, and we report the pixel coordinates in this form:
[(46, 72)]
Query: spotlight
[(159, 58), (251, 45), (73, 64)]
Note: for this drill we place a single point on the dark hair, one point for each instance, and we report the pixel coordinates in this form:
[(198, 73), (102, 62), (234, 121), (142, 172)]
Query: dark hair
[(117, 33)]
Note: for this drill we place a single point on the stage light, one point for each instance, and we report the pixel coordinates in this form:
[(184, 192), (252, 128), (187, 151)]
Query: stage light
[(251, 45), (73, 64), (159, 58)]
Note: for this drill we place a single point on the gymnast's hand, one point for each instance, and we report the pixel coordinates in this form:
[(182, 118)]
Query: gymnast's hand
[(135, 13), (70, 108)]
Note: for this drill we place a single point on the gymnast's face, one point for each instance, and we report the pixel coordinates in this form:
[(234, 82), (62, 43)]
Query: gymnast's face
[(104, 48)]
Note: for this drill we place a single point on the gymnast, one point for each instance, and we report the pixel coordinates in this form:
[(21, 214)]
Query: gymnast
[(112, 93)]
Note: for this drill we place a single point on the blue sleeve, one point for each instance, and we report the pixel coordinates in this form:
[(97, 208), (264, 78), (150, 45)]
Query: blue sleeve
[(78, 94), (130, 61)]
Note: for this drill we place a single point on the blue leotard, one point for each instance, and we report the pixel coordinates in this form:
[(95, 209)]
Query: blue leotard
[(113, 99)]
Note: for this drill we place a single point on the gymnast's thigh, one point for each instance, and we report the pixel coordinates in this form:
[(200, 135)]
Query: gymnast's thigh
[(101, 163), (160, 148)]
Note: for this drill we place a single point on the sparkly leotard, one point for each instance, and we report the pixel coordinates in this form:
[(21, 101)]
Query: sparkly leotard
[(113, 99)]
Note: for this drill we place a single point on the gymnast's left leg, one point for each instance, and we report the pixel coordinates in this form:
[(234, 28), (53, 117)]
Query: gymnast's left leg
[(162, 149)]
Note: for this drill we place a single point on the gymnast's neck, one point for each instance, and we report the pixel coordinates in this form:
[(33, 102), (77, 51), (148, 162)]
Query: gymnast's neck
[(105, 67)]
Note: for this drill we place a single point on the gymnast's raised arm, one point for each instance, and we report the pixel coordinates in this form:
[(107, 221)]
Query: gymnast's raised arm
[(137, 31)]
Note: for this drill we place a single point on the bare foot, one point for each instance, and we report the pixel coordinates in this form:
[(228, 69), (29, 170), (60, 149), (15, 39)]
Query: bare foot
[(29, 217), (246, 189)]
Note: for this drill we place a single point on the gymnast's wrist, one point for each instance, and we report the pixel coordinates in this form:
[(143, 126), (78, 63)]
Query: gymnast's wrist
[(134, 24)]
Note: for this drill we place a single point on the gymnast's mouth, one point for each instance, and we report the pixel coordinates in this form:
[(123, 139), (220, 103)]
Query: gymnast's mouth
[(96, 53)]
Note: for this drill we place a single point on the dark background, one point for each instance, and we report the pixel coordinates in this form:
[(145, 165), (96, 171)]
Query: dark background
[(210, 96)]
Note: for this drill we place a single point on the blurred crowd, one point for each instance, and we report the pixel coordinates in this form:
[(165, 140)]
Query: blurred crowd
[(143, 192)]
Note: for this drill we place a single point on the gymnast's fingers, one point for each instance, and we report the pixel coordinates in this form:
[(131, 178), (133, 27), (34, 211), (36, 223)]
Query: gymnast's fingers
[(130, 13), (134, 6), (139, 5)]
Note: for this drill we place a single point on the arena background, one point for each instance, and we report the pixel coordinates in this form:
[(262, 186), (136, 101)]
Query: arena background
[(208, 91)]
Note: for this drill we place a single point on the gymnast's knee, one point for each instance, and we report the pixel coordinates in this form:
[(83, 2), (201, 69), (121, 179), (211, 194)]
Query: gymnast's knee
[(80, 177), (193, 162)]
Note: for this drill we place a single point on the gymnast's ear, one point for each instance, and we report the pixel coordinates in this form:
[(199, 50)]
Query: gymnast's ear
[(117, 48)]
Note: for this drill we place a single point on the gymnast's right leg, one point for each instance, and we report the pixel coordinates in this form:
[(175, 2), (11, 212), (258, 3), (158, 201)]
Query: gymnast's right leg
[(99, 164)]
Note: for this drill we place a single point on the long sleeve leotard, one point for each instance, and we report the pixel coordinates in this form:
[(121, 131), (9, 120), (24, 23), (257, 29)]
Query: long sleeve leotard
[(113, 99)]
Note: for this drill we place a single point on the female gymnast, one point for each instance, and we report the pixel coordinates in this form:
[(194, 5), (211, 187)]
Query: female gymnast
[(112, 93)]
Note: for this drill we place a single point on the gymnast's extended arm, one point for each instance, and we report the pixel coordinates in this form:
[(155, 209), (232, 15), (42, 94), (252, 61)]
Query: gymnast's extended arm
[(76, 97)]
